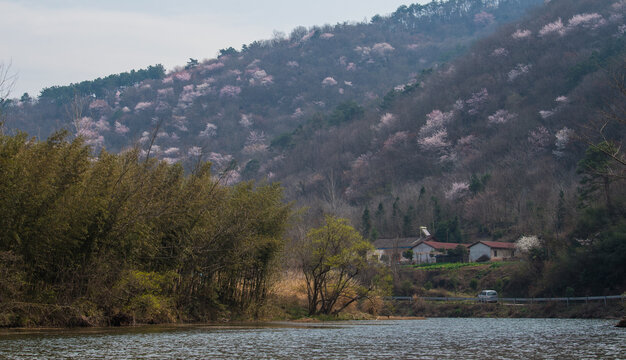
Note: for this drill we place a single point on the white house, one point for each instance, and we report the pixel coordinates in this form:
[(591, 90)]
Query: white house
[(495, 250), (424, 251)]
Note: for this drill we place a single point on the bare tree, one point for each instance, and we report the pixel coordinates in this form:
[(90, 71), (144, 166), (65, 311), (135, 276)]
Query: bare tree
[(7, 81)]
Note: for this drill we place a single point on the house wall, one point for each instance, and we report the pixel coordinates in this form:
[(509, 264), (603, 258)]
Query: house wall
[(479, 250), (422, 252), (502, 253)]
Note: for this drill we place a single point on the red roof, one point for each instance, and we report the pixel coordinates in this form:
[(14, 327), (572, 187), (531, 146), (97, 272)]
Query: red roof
[(441, 245), (497, 244)]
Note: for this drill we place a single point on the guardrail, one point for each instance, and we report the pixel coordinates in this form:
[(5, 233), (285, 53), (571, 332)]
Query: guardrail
[(567, 300)]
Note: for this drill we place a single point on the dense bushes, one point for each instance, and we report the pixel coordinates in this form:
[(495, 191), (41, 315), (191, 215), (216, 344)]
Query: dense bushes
[(130, 238)]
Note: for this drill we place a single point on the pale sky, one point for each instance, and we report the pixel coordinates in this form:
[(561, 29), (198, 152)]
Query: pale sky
[(56, 42)]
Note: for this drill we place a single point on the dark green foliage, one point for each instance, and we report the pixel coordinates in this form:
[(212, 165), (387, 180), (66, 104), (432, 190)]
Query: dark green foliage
[(100, 86), (139, 240), (366, 223), (282, 142), (345, 112)]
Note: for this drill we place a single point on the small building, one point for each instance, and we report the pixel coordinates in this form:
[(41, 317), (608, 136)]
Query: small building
[(388, 249), (427, 250), (495, 250)]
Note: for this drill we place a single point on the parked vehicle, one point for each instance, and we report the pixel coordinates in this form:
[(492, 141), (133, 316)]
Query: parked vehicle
[(488, 296)]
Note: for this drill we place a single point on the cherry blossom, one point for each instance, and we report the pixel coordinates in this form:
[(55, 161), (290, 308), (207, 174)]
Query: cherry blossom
[(351, 67), (521, 34), (501, 117), (476, 101), (586, 20), (213, 66), (435, 121), (326, 36), (545, 113), (165, 91), (254, 149), (526, 243), (382, 49), (397, 138), (518, 71), (120, 128), (484, 18), (362, 161), (194, 151), (99, 105), (386, 120), (171, 151), (180, 122), (143, 105), (230, 91), (539, 138), (348, 83), (209, 131), (87, 129), (293, 64), (329, 81), (563, 137), (246, 121), (297, 113), (500, 52), (170, 160), (232, 177), (457, 190), (220, 159), (145, 137), (435, 142), (553, 27), (561, 99), (183, 76)]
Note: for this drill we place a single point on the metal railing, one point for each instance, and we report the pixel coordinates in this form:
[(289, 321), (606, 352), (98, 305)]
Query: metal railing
[(515, 300)]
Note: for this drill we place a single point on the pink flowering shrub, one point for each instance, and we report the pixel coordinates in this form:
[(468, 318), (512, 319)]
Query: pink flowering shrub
[(329, 81), (457, 190), (553, 27), (183, 76), (539, 138), (397, 138), (501, 117), (99, 104), (230, 91), (382, 49), (213, 66), (437, 141), (563, 137), (121, 128), (518, 71), (143, 105), (209, 131), (476, 101), (484, 18), (521, 34), (194, 151), (500, 52)]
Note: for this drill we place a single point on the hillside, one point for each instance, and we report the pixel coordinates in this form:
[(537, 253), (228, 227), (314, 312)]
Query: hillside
[(235, 106), (486, 145)]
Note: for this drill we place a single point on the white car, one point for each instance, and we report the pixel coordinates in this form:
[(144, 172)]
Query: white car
[(488, 296)]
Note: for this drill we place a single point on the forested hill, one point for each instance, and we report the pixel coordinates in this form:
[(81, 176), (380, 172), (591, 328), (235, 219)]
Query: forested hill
[(235, 106), (494, 144)]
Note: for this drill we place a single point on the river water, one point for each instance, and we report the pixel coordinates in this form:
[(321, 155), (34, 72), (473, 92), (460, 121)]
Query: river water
[(409, 339)]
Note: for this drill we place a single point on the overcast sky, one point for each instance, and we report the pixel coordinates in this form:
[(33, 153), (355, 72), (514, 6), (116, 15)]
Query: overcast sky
[(56, 42)]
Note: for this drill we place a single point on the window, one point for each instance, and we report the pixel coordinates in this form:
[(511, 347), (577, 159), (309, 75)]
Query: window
[(495, 253)]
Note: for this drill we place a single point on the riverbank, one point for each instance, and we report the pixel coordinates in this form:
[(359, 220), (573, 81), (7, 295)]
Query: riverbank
[(612, 310)]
